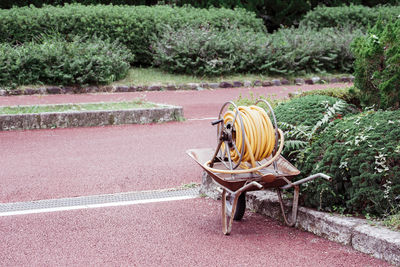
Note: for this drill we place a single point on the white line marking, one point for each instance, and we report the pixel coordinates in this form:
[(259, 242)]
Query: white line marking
[(202, 119), (92, 206)]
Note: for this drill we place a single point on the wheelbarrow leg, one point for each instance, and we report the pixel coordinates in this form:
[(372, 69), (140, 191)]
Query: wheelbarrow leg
[(228, 212), (295, 204)]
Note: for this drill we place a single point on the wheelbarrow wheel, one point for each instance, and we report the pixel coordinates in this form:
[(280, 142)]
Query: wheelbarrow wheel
[(241, 207)]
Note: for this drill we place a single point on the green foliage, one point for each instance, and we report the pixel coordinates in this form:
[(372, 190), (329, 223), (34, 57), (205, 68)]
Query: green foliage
[(274, 12), (202, 51), (356, 16), (55, 61), (205, 51), (377, 65), (303, 50), (290, 12), (40, 3), (307, 110), (362, 154), (134, 26), (350, 95), (303, 118), (393, 221)]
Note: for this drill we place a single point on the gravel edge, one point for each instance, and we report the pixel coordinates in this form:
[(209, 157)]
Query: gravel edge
[(172, 87)]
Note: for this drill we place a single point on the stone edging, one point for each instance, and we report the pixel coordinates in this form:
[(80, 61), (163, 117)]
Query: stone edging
[(89, 118), (158, 87), (378, 242)]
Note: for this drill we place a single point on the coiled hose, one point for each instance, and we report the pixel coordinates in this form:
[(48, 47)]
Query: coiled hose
[(259, 139)]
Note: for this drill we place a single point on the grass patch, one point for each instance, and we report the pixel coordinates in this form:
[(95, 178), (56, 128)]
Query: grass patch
[(75, 107), (393, 221), (148, 76)]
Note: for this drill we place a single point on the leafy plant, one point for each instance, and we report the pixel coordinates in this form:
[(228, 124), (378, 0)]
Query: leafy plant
[(56, 61), (350, 95), (203, 51), (356, 16), (362, 154), (377, 65), (315, 113), (304, 50), (206, 51), (134, 26)]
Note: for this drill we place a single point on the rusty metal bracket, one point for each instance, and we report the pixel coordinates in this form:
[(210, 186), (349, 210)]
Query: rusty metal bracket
[(295, 202), (295, 205)]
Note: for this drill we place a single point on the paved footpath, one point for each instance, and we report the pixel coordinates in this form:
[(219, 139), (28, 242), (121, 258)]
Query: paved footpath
[(58, 163)]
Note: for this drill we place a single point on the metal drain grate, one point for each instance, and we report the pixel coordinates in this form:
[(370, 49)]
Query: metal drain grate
[(96, 201)]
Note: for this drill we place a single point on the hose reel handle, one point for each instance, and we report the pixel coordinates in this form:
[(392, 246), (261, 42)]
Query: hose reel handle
[(216, 122)]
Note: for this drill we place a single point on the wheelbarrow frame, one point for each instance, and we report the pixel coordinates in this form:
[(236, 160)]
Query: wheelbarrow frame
[(277, 176)]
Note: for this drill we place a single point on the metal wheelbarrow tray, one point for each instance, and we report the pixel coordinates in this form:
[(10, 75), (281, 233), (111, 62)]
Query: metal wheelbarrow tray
[(277, 175)]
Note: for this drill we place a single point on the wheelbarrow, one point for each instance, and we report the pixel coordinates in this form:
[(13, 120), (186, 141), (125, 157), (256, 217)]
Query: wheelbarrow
[(225, 165)]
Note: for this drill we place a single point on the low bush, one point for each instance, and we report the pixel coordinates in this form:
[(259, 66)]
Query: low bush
[(40, 3), (350, 95), (303, 50), (204, 51), (55, 61), (362, 154), (308, 110), (134, 26), (356, 16), (277, 12), (377, 65), (303, 118)]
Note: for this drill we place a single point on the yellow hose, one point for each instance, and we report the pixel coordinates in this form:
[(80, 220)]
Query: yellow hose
[(259, 139)]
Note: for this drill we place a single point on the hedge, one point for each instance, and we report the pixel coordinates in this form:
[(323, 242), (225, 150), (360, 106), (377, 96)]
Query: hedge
[(303, 118), (280, 12), (377, 65), (205, 51), (6, 4), (362, 154), (133, 26), (356, 16), (55, 61), (208, 52), (274, 12)]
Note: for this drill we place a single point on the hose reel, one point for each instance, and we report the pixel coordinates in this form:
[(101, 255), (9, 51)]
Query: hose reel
[(246, 137)]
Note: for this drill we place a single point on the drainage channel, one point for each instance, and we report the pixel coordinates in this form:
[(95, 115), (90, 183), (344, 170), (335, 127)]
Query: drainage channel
[(97, 201)]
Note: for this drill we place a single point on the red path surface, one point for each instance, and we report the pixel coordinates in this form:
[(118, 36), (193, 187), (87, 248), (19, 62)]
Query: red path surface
[(42, 164), (183, 233)]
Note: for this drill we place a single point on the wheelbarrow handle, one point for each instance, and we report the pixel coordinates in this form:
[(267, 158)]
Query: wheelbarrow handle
[(307, 179)]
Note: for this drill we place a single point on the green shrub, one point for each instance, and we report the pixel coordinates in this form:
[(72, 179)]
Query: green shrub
[(134, 26), (204, 51), (350, 95), (305, 50), (307, 110), (55, 61), (40, 3), (377, 65), (277, 12), (303, 118), (208, 52), (356, 16), (362, 154)]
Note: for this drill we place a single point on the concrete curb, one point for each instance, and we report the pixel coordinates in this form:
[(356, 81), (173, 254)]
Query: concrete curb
[(378, 242), (162, 113), (171, 87)]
